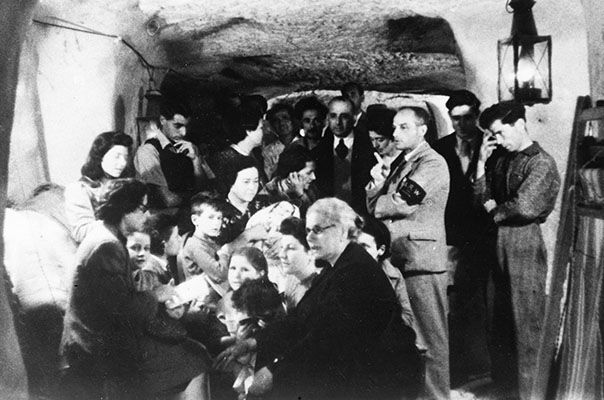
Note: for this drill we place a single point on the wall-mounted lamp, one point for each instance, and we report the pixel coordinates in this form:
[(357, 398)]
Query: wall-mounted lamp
[(147, 122), (525, 74)]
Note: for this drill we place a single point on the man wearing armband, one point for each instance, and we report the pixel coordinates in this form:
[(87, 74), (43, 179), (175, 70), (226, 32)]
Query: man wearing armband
[(410, 198)]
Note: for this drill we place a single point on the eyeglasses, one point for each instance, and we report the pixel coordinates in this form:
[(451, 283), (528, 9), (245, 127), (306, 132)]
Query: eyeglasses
[(317, 230)]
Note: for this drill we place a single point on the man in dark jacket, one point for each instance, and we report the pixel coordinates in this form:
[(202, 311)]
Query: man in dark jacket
[(343, 157), (470, 240), (519, 191)]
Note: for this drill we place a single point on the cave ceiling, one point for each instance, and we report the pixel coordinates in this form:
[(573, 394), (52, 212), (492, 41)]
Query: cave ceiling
[(389, 45)]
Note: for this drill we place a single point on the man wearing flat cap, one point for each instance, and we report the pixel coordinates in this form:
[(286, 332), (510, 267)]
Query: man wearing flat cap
[(470, 240)]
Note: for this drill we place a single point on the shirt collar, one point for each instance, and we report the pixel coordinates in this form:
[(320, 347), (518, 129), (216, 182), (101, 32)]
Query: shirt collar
[(531, 150), (162, 263), (358, 117), (348, 140), (163, 140), (471, 140), (416, 150)]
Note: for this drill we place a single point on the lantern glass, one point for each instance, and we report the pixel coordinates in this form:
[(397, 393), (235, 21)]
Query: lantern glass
[(525, 69)]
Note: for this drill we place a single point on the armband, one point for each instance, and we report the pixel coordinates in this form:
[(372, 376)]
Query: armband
[(411, 192)]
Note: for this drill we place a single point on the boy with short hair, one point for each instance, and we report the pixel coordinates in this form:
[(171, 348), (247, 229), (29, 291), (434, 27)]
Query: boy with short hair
[(375, 239), (201, 252)]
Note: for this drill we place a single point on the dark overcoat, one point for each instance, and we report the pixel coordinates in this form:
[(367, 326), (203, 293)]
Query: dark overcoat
[(345, 339)]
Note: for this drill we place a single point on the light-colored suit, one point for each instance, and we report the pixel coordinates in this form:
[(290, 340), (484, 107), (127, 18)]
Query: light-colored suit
[(419, 250), (418, 231)]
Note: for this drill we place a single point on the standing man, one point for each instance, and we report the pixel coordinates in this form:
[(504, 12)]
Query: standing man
[(343, 158), (354, 92), (170, 165), (411, 199), (311, 114), (470, 241), (519, 191)]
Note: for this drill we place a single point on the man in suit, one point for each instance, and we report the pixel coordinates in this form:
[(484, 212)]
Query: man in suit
[(410, 197), (343, 158), (354, 92), (470, 240)]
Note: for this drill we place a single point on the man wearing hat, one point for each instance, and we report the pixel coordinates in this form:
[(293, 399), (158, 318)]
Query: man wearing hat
[(470, 241)]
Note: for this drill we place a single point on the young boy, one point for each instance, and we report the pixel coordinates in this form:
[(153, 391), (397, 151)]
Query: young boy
[(200, 254), (375, 239)]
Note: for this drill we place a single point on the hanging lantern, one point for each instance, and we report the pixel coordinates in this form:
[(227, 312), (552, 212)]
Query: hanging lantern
[(524, 59), (147, 123)]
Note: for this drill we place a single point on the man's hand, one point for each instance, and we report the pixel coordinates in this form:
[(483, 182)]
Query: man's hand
[(490, 205), (263, 382), (489, 144), (380, 171), (187, 148), (296, 184), (240, 348)]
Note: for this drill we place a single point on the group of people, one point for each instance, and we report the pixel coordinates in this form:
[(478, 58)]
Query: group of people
[(310, 263)]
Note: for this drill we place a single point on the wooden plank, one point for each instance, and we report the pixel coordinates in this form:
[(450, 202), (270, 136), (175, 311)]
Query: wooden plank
[(563, 253), (591, 114), (590, 211)]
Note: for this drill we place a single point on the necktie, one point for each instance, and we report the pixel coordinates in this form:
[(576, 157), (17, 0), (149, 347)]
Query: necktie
[(341, 149), (465, 153)]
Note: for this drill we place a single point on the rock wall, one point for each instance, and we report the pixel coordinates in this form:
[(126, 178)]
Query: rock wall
[(73, 86), (594, 18)]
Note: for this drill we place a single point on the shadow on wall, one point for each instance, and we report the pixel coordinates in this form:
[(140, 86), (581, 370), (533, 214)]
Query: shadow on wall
[(119, 110), (28, 145)]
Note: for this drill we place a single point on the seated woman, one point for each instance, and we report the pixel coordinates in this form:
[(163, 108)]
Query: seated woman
[(346, 339), (296, 261), (294, 179), (105, 340), (108, 159), (242, 200)]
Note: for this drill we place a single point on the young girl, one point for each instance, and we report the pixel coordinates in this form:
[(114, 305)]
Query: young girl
[(246, 263), (257, 304)]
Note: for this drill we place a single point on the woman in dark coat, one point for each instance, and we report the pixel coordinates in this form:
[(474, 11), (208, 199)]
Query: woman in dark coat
[(345, 339), (106, 341)]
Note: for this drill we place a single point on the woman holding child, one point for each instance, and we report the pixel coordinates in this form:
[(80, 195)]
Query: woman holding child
[(106, 338), (345, 339)]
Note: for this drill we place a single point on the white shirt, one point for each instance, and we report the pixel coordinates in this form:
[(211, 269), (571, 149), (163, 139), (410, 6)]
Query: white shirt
[(348, 141)]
